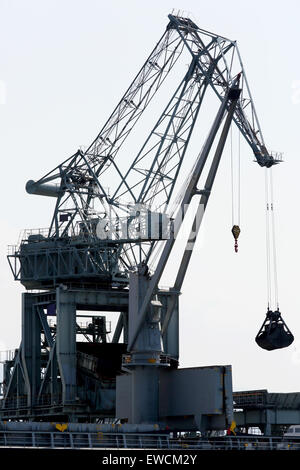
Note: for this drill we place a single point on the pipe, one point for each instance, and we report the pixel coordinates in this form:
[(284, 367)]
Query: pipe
[(42, 189)]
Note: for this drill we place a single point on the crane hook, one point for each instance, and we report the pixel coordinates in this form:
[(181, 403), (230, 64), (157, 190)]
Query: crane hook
[(236, 232)]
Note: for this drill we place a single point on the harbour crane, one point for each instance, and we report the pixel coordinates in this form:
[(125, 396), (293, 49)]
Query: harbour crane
[(106, 248)]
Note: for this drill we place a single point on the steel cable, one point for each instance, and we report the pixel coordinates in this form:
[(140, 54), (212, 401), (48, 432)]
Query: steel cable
[(274, 240), (269, 287), (272, 277)]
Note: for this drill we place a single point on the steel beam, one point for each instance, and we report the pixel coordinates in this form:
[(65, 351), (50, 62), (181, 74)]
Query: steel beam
[(66, 344)]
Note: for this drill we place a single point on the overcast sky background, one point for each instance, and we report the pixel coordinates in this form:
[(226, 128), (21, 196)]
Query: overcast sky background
[(65, 64)]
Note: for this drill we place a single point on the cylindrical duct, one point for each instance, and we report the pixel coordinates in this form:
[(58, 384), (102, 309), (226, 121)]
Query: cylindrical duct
[(42, 189)]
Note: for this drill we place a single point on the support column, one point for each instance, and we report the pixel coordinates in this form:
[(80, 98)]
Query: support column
[(267, 426), (53, 375), (171, 334), (125, 326), (145, 354), (66, 343), (31, 348), (145, 394)]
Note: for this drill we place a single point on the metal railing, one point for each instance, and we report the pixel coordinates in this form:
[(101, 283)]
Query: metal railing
[(17, 402), (252, 398), (278, 156), (7, 355), (77, 440)]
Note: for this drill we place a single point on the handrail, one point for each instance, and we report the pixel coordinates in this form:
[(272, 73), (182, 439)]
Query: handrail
[(65, 439)]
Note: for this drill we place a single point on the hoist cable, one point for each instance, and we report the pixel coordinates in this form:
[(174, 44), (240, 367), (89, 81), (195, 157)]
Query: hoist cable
[(272, 278), (235, 165), (274, 240), (232, 177), (235, 189), (269, 288), (239, 178)]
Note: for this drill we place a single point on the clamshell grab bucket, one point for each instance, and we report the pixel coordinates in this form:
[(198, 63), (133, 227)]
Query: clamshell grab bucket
[(274, 333)]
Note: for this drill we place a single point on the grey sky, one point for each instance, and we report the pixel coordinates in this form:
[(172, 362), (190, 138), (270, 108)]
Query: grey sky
[(65, 64)]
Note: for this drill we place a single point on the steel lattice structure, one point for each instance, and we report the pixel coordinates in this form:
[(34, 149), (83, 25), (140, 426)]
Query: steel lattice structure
[(80, 183)]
